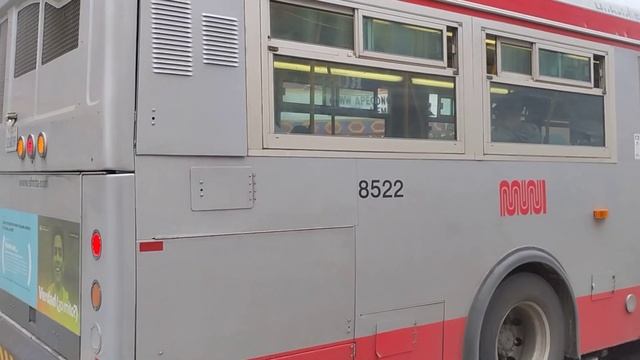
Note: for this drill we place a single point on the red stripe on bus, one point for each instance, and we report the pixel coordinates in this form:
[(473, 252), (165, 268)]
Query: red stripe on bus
[(605, 322), (440, 340), (553, 11), (603, 318), (149, 246)]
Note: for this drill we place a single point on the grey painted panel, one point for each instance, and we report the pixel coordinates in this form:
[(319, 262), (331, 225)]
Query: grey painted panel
[(21, 345), (237, 297), (195, 106), (320, 200), (402, 318), (108, 206), (221, 188), (450, 224), (90, 124), (56, 196)]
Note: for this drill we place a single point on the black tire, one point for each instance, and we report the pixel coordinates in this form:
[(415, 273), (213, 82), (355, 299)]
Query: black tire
[(527, 289)]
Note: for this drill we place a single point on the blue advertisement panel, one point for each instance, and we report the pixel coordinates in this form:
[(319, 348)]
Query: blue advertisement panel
[(19, 254)]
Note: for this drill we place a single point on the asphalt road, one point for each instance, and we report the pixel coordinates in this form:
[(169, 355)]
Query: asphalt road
[(625, 352)]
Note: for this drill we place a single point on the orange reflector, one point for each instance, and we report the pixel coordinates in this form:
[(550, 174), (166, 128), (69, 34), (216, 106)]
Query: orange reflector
[(42, 144), (21, 148), (31, 146), (96, 295), (600, 214)]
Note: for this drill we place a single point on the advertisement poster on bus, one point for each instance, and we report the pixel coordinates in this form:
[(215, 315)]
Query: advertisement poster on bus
[(58, 272), (19, 255), (40, 264)]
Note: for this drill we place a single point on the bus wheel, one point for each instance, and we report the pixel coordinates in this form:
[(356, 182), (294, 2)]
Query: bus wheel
[(524, 321)]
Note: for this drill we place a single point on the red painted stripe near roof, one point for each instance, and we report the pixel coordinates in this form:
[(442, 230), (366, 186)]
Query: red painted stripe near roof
[(604, 323), (553, 11)]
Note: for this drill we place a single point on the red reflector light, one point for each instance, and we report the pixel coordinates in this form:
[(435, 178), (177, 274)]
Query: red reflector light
[(149, 246), (96, 244), (31, 147)]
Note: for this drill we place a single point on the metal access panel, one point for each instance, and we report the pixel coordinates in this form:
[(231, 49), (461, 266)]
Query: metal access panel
[(108, 206), (192, 96), (246, 295), (222, 188)]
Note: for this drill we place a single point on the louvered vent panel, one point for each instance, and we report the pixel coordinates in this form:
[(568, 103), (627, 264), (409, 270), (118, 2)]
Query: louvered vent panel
[(3, 61), (172, 37), (220, 40), (27, 40), (61, 30)]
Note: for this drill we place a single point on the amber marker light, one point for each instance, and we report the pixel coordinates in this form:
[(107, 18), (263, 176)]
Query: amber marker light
[(96, 295), (600, 214), (31, 146), (42, 145), (21, 148)]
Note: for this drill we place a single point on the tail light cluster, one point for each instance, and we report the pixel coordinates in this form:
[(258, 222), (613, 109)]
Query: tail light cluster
[(96, 251), (30, 146), (96, 292)]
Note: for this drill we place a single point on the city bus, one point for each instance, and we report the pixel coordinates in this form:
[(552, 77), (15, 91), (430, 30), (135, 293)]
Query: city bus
[(318, 179)]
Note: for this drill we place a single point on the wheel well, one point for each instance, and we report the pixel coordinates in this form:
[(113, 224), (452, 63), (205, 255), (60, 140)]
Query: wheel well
[(565, 295), (525, 259)]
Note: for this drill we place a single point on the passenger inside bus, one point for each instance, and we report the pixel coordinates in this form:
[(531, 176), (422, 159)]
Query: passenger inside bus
[(511, 125)]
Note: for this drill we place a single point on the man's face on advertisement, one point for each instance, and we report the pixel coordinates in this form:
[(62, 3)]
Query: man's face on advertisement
[(58, 258)]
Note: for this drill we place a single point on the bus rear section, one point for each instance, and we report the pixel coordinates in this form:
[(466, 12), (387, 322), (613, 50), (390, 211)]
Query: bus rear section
[(67, 75)]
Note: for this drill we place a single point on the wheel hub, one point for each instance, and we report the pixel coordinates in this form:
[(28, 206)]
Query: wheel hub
[(524, 334)]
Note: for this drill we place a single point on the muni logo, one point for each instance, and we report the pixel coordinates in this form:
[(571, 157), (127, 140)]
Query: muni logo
[(523, 197)]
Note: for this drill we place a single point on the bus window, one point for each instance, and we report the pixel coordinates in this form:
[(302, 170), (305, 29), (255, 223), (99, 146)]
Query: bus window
[(598, 71), (27, 40), (308, 25), (330, 99), (565, 66), (522, 114), (396, 38), (559, 102), (492, 55), (515, 58)]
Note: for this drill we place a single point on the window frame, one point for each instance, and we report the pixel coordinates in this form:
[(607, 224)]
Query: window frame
[(362, 52), (274, 141), (547, 41)]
